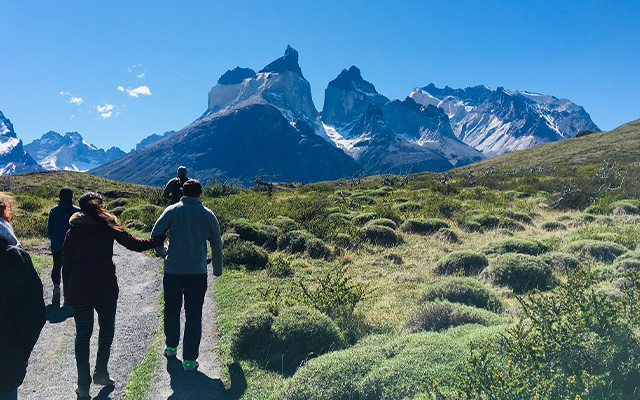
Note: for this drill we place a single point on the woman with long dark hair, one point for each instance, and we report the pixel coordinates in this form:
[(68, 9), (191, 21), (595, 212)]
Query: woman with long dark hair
[(90, 283)]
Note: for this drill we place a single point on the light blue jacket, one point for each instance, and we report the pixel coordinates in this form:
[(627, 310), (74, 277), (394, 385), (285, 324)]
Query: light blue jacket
[(190, 226)]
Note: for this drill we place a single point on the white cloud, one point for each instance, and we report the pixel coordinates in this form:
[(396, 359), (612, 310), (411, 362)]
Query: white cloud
[(120, 89), (76, 100), (106, 115), (63, 93), (105, 108), (139, 70), (72, 117), (141, 90), (141, 76)]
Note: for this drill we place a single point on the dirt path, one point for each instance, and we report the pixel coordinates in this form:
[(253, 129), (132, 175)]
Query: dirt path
[(172, 383), (52, 370)]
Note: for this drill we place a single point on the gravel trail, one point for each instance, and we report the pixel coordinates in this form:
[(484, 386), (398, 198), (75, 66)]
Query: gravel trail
[(52, 370)]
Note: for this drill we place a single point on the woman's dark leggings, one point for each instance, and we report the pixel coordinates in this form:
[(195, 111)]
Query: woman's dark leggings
[(83, 315)]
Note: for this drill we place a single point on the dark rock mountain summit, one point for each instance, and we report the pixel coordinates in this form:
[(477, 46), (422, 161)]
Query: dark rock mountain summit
[(266, 121), (70, 152), (13, 158)]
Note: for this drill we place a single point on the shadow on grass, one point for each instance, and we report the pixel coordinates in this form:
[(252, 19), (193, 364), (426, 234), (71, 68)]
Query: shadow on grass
[(57, 314), (238, 381), (193, 385)]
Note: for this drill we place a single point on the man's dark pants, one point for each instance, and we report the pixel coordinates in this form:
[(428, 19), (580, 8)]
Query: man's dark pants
[(192, 288), (57, 267), (12, 395)]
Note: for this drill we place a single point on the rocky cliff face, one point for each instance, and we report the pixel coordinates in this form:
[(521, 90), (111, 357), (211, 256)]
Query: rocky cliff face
[(495, 121), (13, 158), (71, 152), (263, 121), (423, 132)]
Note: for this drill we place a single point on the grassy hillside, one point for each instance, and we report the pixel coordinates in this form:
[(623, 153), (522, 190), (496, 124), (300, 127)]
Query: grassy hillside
[(511, 279)]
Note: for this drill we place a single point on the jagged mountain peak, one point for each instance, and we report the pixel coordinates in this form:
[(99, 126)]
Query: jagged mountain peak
[(236, 75), (288, 62), (6, 127), (351, 79)]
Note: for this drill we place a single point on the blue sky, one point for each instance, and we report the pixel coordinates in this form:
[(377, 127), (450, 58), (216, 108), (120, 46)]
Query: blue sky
[(118, 71)]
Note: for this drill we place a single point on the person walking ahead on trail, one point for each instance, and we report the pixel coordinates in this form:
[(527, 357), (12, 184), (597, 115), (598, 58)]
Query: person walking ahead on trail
[(22, 311), (173, 189), (57, 229), (90, 282), (190, 226)]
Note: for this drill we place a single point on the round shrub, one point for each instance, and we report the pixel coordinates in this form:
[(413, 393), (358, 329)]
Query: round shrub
[(517, 245), (424, 226), (245, 253), (117, 211), (511, 224), (446, 235), (521, 273), (463, 290), (361, 199), (285, 224), (294, 241), (339, 218), (440, 315), (487, 221), (148, 214), (472, 226), (301, 333), (586, 218), (121, 202), (342, 240), (605, 252), (29, 203), (260, 234), (362, 219), (469, 261), (560, 261), (517, 216), (384, 222), (550, 226), (317, 248), (229, 237), (135, 225), (623, 209), (251, 337), (628, 264), (407, 206), (278, 267), (381, 235)]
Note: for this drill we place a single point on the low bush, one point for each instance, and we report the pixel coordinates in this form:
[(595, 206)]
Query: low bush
[(342, 240), (510, 224), (487, 221), (362, 219), (551, 226), (294, 241), (605, 252), (30, 203), (560, 261), (383, 222), (364, 200), (117, 211), (468, 261), (440, 315), (407, 206), (258, 233), (339, 218), (120, 202), (32, 226), (424, 226), (381, 235), (229, 237), (517, 216), (516, 245), (472, 226), (285, 224), (251, 337), (446, 235), (135, 225), (240, 253), (463, 290), (278, 267), (520, 272), (302, 333), (148, 214), (317, 248), (626, 207)]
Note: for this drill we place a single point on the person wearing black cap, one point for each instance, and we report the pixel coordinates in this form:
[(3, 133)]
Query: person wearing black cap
[(90, 282), (173, 189), (57, 229)]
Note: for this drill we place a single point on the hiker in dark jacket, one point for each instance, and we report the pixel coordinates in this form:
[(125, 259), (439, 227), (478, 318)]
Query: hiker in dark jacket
[(190, 225), (173, 189), (57, 229), (90, 282), (22, 311)]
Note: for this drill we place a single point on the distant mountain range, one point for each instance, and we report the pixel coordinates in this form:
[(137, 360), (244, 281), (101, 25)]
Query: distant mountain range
[(266, 122), (69, 152), (13, 158)]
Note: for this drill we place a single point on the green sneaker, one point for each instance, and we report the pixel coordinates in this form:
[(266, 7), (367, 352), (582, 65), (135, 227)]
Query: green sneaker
[(190, 365), (170, 351)]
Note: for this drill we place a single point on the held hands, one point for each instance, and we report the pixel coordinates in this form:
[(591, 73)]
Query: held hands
[(161, 251)]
